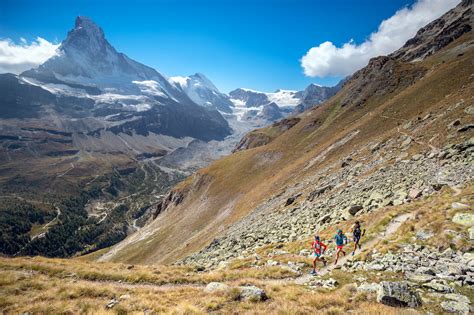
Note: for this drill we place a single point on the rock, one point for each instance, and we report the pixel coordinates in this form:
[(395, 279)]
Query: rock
[(376, 267), (438, 186), (400, 197), (374, 148), (272, 263), (425, 271), (459, 205), (426, 117), (415, 193), (368, 287), (406, 142), (471, 233), (222, 265), (325, 219), (216, 287), (438, 286), (456, 306), (124, 297), (457, 297), (455, 123), (424, 235), (305, 252), (468, 256), (252, 293), (456, 269), (466, 219), (354, 209), (469, 110), (111, 304), (291, 200), (397, 294), (319, 191), (401, 156), (466, 127), (327, 284), (376, 196), (417, 157), (417, 277)]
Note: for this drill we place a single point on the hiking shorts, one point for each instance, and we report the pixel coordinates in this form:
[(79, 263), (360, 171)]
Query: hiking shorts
[(340, 246), (356, 239), (316, 255)]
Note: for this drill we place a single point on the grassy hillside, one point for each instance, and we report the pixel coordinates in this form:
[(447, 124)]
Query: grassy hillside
[(74, 286), (348, 124)]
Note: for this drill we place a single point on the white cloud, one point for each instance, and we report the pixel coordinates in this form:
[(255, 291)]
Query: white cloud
[(16, 58), (329, 60)]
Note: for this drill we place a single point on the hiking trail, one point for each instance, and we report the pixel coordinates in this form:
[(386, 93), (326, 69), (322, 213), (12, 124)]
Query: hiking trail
[(391, 228)]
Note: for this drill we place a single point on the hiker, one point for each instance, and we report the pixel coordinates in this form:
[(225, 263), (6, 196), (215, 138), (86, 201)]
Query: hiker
[(341, 239), (357, 233), (319, 249)]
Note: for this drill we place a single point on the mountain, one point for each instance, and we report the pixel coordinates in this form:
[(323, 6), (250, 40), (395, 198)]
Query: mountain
[(254, 106), (251, 98), (315, 94), (394, 139), (203, 92), (86, 57)]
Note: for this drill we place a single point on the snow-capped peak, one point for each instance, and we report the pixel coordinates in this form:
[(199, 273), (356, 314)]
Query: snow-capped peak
[(179, 81), (87, 58), (202, 91), (195, 81)]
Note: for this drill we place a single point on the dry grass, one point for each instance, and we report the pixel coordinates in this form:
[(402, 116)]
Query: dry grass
[(42, 285), (23, 291)]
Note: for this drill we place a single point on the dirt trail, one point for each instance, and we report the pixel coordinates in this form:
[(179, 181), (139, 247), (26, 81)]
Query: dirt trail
[(391, 228)]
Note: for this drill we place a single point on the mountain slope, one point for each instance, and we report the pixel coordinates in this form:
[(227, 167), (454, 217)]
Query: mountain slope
[(347, 150)]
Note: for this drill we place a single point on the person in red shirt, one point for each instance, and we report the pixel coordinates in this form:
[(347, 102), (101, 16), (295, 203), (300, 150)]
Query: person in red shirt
[(319, 248)]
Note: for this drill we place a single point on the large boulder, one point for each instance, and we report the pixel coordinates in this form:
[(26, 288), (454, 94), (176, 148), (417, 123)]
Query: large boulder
[(456, 303), (368, 287), (252, 293), (354, 209), (398, 294), (216, 287)]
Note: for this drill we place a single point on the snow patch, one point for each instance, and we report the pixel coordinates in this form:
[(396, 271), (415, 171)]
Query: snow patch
[(150, 87)]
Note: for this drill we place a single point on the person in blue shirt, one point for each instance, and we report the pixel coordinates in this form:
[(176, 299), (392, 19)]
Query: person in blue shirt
[(341, 240)]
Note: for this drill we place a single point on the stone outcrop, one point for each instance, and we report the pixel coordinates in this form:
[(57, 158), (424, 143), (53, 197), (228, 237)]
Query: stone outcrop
[(398, 294)]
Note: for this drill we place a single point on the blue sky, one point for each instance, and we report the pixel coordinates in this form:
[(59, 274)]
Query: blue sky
[(254, 44)]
